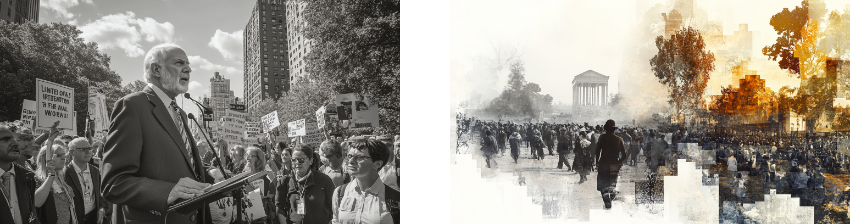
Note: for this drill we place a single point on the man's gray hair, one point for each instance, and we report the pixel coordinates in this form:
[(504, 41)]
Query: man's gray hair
[(156, 55), (77, 142)]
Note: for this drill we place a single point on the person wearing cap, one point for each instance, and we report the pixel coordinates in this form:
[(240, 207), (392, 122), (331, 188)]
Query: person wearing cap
[(610, 155)]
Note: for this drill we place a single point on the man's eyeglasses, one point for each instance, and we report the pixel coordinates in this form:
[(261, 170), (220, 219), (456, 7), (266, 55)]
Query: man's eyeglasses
[(299, 160), (85, 149), (358, 158)]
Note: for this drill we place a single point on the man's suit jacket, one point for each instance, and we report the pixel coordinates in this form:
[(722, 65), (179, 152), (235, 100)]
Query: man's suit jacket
[(25, 189), (144, 158), (73, 179)]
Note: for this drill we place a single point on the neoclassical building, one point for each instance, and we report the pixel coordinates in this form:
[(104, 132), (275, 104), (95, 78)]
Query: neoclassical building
[(590, 90)]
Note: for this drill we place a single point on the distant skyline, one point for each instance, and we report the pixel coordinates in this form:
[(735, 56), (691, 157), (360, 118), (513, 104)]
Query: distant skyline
[(558, 40), (210, 31)]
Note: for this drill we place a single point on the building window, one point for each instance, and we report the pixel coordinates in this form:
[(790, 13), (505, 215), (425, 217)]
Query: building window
[(265, 56), (265, 62), (265, 79)]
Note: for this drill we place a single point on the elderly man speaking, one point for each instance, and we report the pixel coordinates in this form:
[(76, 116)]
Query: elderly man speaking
[(150, 161)]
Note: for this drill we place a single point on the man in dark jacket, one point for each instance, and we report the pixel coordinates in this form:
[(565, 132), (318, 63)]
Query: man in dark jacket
[(515, 142), (488, 146), (563, 148), (610, 154), (502, 136), (550, 143)]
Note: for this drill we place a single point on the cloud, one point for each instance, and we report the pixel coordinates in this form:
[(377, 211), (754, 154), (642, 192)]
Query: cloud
[(125, 32), (154, 31), (204, 64), (61, 6), (193, 85), (228, 44)]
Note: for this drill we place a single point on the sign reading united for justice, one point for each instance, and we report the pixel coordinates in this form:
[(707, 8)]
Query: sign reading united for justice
[(55, 103)]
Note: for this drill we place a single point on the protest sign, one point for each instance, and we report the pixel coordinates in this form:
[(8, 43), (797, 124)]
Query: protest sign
[(297, 128), (365, 114), (270, 121), (320, 117), (54, 102), (28, 114), (233, 127), (344, 105), (314, 136), (252, 132), (97, 109)]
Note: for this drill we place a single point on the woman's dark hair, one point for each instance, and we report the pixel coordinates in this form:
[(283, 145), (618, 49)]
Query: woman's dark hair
[(377, 150), (281, 145), (310, 153)]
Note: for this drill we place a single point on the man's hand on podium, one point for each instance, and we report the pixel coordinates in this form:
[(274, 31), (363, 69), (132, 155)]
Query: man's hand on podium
[(186, 188)]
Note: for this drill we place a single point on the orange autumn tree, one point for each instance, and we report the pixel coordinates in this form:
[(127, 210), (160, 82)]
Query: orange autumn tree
[(683, 65)]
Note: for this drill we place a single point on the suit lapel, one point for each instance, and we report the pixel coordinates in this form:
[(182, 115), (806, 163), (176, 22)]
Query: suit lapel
[(71, 173), (160, 111), (95, 178), (22, 189)]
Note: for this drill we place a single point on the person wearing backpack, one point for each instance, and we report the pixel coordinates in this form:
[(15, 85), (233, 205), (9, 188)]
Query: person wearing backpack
[(365, 199)]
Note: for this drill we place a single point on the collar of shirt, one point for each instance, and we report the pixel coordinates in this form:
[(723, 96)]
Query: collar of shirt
[(78, 169), (162, 96), (376, 189), (12, 171)]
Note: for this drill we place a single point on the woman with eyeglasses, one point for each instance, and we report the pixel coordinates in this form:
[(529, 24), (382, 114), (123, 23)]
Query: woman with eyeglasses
[(54, 198), (305, 196)]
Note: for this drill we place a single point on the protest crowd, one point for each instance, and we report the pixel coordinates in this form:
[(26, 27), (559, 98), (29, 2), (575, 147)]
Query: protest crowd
[(348, 175), (745, 165)]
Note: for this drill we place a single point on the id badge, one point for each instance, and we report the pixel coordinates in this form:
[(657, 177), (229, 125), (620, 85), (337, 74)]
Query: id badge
[(88, 197), (300, 203)]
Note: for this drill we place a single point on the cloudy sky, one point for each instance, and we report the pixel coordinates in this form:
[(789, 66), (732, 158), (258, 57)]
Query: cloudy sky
[(210, 31), (560, 39)]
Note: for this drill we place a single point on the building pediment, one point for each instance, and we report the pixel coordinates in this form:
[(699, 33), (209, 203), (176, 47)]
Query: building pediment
[(590, 76)]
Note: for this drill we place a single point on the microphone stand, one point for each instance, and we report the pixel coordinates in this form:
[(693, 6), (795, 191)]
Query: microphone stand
[(237, 195)]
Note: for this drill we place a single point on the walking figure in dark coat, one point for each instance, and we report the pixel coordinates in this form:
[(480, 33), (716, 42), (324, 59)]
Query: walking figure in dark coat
[(610, 155)]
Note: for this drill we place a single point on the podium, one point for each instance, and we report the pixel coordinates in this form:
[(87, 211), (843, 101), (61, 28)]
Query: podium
[(215, 192)]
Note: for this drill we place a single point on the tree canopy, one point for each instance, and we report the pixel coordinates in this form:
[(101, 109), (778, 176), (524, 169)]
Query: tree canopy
[(520, 97), (788, 25), (683, 65), (53, 52), (354, 48)]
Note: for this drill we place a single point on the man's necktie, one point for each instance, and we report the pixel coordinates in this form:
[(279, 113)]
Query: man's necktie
[(6, 185), (179, 121)]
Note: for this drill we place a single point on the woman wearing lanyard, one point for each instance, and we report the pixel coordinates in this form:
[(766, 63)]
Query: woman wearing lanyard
[(305, 196)]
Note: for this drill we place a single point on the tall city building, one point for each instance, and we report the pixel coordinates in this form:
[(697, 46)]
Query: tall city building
[(267, 72), (220, 96), (298, 45), (19, 11)]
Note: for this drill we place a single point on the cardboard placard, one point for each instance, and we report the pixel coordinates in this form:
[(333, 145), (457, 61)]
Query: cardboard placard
[(54, 102), (28, 114), (233, 127), (297, 128), (320, 117), (270, 121)]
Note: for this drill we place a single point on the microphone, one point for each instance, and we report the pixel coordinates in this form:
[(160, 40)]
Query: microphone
[(200, 106), (220, 167)]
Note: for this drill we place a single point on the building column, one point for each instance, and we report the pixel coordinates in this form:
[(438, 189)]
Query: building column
[(586, 94), (606, 94), (595, 94)]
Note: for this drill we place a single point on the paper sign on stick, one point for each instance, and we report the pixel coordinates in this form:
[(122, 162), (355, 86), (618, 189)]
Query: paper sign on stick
[(28, 114), (320, 117), (297, 128), (270, 121)]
